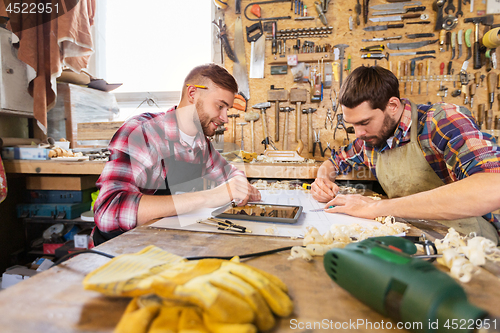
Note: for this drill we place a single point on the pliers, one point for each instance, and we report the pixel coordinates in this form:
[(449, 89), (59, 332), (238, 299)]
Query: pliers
[(317, 139), (329, 118), (340, 125), (327, 147)]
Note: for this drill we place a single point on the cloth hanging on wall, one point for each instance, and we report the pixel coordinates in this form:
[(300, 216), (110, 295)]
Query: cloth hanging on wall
[(50, 41)]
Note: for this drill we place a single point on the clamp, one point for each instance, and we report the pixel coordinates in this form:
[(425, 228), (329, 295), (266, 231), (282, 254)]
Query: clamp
[(317, 139)]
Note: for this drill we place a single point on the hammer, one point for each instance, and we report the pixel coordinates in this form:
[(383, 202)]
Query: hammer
[(262, 107), (287, 110), (234, 116), (277, 95), (486, 20), (252, 117), (309, 127)]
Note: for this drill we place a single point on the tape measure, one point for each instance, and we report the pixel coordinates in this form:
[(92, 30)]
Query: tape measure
[(55, 229)]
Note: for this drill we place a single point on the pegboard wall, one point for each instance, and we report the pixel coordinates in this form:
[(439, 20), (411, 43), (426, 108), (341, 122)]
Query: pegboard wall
[(338, 16)]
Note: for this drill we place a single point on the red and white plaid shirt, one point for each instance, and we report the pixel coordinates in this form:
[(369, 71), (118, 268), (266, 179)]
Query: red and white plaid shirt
[(136, 166)]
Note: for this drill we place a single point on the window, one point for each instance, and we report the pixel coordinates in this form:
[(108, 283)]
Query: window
[(150, 46)]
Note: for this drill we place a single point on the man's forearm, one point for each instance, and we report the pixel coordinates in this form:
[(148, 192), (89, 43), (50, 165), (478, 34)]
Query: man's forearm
[(476, 195), (159, 206), (327, 170)]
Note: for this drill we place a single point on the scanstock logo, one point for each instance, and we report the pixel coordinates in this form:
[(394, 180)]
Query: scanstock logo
[(26, 14)]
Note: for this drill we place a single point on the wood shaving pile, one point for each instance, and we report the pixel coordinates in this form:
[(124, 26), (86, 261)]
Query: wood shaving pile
[(340, 235), (463, 254), (278, 185), (265, 159), (60, 152)]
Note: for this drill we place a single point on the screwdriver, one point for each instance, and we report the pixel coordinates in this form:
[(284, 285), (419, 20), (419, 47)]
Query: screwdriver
[(419, 68), (480, 115), (412, 74), (472, 92), (477, 78), (405, 73), (441, 71), (450, 71), (428, 74), (492, 83), (398, 71)]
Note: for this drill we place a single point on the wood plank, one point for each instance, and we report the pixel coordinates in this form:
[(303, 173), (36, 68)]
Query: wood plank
[(55, 301), (252, 170), (98, 130)]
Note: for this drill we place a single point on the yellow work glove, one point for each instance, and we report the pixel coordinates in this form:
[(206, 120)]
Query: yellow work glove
[(130, 274), (151, 314), (229, 292)]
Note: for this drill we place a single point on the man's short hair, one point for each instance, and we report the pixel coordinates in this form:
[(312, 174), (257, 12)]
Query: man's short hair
[(213, 72), (373, 84)]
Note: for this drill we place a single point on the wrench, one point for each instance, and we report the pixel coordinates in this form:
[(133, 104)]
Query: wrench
[(450, 7), (459, 11)]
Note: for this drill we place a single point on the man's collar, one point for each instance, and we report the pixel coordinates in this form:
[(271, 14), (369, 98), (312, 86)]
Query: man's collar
[(172, 129), (401, 134)]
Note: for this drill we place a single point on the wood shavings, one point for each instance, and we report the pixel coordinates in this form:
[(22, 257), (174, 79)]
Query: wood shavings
[(340, 235), (463, 254), (60, 152), (271, 231)]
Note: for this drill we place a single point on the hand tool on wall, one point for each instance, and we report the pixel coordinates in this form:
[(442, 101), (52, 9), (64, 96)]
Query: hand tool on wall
[(263, 107), (365, 10), (252, 117), (492, 84), (420, 35), (328, 119), (464, 80), (412, 74), (384, 27), (485, 20), (449, 71), (396, 17), (317, 141), (396, 5), (489, 119), (428, 76), (240, 67), (277, 96), (376, 56), (438, 8), (340, 125), (298, 96), (265, 18), (453, 44), (398, 72), (233, 129), (419, 69), (357, 9), (381, 273), (448, 40), (399, 11), (459, 42), (480, 115), (309, 113), (287, 110), (242, 146), (320, 12), (472, 92), (468, 43), (406, 72), (459, 12), (442, 40), (222, 35), (237, 7), (257, 50), (409, 46), (341, 48), (381, 39), (441, 72)]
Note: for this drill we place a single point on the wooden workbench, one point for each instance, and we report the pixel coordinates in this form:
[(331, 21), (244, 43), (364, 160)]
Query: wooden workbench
[(55, 301), (252, 170)]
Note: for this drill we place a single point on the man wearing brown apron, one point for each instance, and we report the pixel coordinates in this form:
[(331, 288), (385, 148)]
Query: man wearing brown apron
[(433, 162)]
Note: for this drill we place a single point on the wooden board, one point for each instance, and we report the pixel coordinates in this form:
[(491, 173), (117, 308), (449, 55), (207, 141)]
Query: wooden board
[(98, 130), (55, 301), (342, 35), (61, 182)]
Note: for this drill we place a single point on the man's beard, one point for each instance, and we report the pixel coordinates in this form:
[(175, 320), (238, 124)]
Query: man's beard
[(203, 121), (388, 128)]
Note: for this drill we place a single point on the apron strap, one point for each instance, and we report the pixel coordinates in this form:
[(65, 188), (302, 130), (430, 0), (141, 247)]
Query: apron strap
[(414, 122)]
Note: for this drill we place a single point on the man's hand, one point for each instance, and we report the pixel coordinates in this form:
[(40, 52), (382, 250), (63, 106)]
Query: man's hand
[(354, 205), (237, 189), (324, 189)]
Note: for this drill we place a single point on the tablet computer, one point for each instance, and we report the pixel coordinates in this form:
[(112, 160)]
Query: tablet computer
[(261, 212)]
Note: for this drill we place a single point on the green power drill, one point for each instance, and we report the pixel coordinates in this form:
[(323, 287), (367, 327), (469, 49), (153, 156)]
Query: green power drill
[(381, 273)]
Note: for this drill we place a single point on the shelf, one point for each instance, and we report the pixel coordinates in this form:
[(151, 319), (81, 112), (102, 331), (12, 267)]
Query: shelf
[(53, 220)]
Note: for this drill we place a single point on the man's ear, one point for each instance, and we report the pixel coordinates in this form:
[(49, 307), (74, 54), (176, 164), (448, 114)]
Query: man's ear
[(190, 94), (394, 106)]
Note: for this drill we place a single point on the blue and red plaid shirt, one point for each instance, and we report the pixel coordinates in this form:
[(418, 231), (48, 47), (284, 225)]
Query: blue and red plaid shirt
[(136, 166), (449, 137)]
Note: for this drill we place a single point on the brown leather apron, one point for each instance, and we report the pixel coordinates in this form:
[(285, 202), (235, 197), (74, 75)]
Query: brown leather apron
[(404, 171)]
